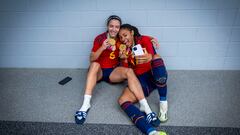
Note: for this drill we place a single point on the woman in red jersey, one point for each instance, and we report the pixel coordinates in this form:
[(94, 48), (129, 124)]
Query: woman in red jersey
[(104, 67), (149, 67)]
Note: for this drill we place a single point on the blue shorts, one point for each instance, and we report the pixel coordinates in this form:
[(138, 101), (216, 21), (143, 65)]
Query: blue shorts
[(106, 73), (147, 82)]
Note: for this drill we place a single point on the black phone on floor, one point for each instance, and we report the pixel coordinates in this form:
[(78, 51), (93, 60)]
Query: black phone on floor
[(65, 80)]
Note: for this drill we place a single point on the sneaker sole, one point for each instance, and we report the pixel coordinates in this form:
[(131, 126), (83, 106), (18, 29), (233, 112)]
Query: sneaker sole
[(162, 121)]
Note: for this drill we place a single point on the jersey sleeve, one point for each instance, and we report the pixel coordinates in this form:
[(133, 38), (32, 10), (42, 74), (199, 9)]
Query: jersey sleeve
[(148, 45), (96, 44)]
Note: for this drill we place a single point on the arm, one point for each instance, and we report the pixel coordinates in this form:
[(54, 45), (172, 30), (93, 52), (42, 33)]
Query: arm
[(148, 51), (95, 55), (144, 58), (154, 42), (123, 58)]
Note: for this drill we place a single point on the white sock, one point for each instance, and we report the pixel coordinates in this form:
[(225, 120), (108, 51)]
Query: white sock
[(144, 106), (164, 106), (86, 103)]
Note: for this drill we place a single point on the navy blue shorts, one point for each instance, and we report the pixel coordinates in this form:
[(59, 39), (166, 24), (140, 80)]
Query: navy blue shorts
[(147, 82), (106, 73)]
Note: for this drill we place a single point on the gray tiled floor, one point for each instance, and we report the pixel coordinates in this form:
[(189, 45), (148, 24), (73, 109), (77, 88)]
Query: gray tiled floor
[(196, 98)]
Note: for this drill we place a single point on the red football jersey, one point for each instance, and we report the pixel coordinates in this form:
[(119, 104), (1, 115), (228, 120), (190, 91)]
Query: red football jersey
[(108, 58), (139, 69)]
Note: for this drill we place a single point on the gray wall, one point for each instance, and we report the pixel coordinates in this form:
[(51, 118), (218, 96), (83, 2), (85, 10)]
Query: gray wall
[(194, 34)]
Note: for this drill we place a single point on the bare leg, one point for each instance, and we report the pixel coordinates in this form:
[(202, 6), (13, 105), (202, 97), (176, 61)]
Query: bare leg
[(119, 74), (126, 101), (94, 75), (127, 95)]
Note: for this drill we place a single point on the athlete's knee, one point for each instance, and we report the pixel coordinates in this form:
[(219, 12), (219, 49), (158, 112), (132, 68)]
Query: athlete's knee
[(155, 56), (130, 72), (94, 66), (161, 81)]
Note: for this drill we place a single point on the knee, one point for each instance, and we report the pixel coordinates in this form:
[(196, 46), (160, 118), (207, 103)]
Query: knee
[(155, 56), (157, 62), (130, 72), (162, 81), (95, 66)]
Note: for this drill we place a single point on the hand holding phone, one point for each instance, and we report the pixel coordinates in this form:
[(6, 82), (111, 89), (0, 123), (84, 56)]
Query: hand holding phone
[(137, 50), (146, 57)]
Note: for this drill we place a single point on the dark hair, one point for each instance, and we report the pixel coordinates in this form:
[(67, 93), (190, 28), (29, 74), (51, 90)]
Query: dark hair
[(112, 17), (130, 28)]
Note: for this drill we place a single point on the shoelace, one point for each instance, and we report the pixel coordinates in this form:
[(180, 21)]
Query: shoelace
[(151, 117), (82, 114)]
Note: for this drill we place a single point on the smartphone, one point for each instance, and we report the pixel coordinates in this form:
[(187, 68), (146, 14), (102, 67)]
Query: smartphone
[(65, 80), (137, 50)]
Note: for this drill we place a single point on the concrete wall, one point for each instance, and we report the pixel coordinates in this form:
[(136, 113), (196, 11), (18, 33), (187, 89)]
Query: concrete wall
[(194, 34)]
